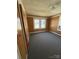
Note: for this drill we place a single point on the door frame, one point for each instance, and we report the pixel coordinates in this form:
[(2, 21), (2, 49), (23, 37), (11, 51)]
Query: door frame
[(24, 30)]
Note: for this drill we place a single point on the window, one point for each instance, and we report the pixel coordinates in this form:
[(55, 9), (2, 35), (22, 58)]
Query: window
[(36, 24), (39, 23), (43, 23)]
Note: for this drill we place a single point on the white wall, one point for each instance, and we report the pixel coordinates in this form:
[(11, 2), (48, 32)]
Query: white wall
[(18, 54), (18, 24)]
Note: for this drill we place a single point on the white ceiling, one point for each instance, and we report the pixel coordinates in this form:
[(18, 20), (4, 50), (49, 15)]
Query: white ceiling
[(42, 7)]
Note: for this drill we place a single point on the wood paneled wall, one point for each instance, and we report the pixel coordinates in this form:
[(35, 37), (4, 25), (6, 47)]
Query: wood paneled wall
[(48, 24), (51, 24), (30, 24), (54, 23)]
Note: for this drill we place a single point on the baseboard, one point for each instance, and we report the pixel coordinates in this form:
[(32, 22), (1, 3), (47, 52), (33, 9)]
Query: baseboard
[(56, 33), (37, 32)]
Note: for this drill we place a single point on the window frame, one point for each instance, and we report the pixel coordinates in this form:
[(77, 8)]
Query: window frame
[(40, 22)]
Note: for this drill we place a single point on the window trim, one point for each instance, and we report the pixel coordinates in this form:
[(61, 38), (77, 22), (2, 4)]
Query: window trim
[(39, 23)]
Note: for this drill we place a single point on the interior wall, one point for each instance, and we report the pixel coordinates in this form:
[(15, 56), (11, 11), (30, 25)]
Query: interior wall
[(18, 53), (51, 24), (30, 24), (48, 24), (54, 23)]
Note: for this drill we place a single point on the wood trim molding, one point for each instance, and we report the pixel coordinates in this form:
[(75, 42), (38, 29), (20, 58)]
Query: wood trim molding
[(22, 36)]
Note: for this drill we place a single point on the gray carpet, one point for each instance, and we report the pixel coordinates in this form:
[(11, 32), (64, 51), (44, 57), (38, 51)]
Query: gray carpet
[(44, 45)]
